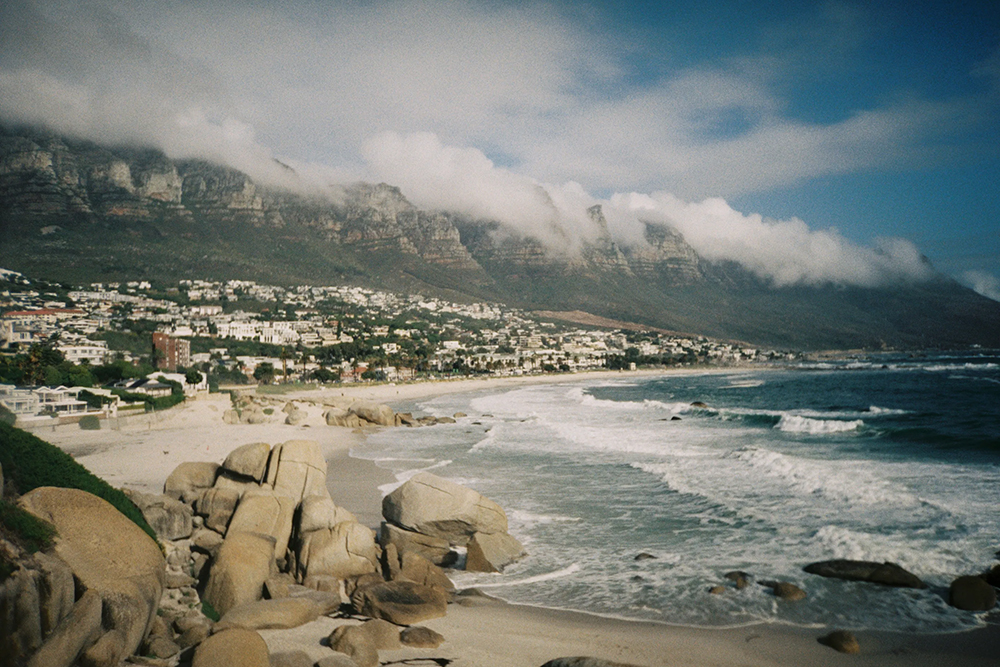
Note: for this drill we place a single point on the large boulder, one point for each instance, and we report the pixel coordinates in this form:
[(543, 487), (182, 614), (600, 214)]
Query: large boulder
[(401, 602), (887, 574), (492, 552), (283, 613), (842, 641), (376, 413), (346, 550), (363, 642), (189, 480), (972, 594), (244, 562), (297, 469), (438, 507), (263, 511), (170, 518), (229, 648), (434, 549), (414, 567), (78, 630), (249, 460), (110, 555)]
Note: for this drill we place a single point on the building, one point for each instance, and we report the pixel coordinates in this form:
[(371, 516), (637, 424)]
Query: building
[(173, 352), (94, 352)]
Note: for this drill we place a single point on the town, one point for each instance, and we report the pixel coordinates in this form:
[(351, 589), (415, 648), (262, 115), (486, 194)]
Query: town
[(68, 351)]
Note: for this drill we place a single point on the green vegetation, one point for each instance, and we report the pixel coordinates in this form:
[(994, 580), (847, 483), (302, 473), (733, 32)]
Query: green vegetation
[(90, 423), (29, 462), (209, 611), (24, 529)]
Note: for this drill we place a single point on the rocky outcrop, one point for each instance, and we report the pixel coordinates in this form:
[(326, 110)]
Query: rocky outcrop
[(243, 564), (111, 556), (972, 594), (401, 602), (887, 574), (236, 646), (188, 480), (169, 518)]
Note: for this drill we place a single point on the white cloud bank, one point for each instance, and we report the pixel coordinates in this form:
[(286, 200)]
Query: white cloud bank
[(402, 91), (983, 283)]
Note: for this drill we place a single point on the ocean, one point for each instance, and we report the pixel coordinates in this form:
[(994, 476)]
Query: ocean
[(888, 458)]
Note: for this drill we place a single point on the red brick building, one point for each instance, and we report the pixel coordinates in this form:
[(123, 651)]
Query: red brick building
[(173, 352)]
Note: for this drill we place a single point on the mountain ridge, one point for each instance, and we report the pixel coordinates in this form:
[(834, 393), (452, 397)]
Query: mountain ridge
[(78, 211)]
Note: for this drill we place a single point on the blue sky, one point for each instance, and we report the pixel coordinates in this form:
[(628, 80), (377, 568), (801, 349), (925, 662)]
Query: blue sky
[(861, 122)]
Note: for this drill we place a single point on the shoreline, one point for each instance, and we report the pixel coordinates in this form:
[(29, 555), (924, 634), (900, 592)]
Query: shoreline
[(481, 630)]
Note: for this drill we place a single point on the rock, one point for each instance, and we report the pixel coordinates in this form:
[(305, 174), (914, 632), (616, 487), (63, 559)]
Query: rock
[(491, 553), (352, 641), (972, 594), (78, 629), (355, 584), (56, 592), (376, 413), (741, 579), (218, 505), (414, 567), (109, 555), (249, 460), (434, 549), (417, 636), (381, 634), (20, 614), (161, 647), (405, 419), (189, 479), (434, 506), (291, 659), (193, 629), (445, 420), (327, 601), (786, 590), (887, 574), (296, 417), (179, 580), (300, 470), (277, 585), (206, 541), (401, 602), (263, 511), (841, 640), (319, 512), (717, 590), (168, 517), (232, 647), (341, 417), (699, 404), (645, 556), (992, 576), (583, 661), (230, 417), (244, 562), (283, 613), (346, 550), (230, 480), (459, 415)]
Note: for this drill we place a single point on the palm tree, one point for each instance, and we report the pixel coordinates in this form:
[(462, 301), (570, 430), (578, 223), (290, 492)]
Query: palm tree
[(284, 356)]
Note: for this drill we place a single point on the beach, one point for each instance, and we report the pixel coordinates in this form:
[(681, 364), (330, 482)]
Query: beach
[(478, 630)]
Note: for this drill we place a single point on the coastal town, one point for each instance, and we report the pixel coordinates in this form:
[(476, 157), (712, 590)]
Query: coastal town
[(200, 334)]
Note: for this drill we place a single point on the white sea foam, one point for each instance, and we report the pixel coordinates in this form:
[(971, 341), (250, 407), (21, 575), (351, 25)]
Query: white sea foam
[(548, 576), (799, 424), (876, 410)]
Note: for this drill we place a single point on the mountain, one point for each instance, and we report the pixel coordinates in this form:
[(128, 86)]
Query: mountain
[(79, 212)]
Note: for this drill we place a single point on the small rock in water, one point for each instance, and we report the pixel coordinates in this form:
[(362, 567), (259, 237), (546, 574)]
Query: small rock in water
[(787, 591), (740, 578), (699, 404), (717, 590), (972, 594), (841, 640), (675, 418), (459, 415), (645, 556)]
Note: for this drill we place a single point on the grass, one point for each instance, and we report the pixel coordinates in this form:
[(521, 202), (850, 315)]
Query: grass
[(29, 462), (24, 529)]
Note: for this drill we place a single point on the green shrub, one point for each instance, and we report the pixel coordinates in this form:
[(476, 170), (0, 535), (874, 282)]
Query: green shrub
[(25, 529), (209, 611), (29, 462), (6, 416), (90, 423), (268, 411)]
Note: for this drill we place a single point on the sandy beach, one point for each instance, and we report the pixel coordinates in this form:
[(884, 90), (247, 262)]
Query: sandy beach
[(140, 452)]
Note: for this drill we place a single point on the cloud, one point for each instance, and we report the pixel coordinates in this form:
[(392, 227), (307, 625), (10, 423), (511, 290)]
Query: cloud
[(983, 283)]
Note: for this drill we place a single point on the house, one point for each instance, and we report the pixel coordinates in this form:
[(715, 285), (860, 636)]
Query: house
[(146, 386), (93, 352), (60, 401), (22, 402)]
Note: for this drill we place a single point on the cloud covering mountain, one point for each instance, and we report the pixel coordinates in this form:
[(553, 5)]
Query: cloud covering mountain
[(529, 113)]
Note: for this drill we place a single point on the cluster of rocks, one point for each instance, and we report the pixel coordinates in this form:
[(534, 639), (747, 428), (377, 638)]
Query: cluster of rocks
[(969, 592), (352, 413)]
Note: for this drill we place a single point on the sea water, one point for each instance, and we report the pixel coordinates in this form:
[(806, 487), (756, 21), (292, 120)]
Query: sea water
[(885, 459)]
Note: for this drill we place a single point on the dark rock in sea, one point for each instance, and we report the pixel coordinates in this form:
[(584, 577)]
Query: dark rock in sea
[(972, 594), (699, 404), (645, 556), (841, 640), (675, 418), (887, 574), (785, 590), (992, 576), (717, 590), (741, 579)]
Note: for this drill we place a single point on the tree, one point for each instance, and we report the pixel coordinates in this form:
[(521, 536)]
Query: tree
[(192, 377), (264, 373), (284, 356)]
